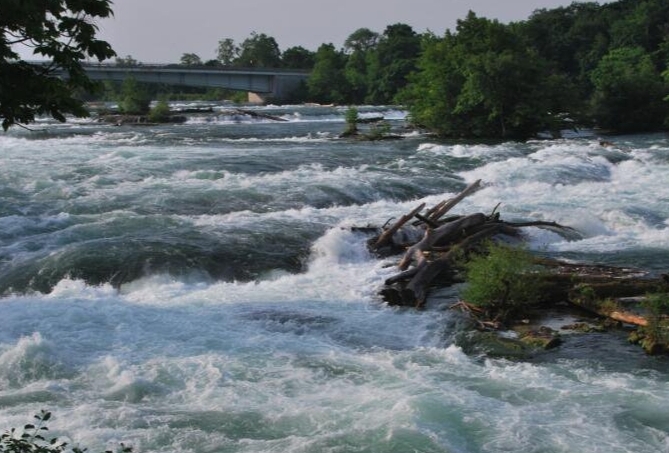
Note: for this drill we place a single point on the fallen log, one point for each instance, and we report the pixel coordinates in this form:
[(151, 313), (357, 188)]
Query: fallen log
[(260, 115), (446, 233), (414, 293), (430, 219), (448, 205), (386, 237)]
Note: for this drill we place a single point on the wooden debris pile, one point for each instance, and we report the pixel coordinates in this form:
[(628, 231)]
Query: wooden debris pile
[(431, 242), (433, 247)]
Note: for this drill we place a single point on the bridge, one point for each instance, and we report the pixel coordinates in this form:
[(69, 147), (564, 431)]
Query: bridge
[(261, 84)]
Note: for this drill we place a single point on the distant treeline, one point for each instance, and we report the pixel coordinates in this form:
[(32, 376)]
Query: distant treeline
[(585, 64)]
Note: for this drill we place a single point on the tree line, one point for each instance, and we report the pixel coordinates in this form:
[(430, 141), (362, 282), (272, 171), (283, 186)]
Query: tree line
[(584, 64)]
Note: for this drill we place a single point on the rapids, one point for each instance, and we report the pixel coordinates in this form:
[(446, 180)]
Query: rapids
[(195, 288)]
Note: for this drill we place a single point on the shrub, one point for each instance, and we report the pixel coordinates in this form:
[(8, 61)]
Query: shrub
[(502, 280), (656, 333), (134, 99), (378, 131), (160, 113), (352, 118), (31, 440)]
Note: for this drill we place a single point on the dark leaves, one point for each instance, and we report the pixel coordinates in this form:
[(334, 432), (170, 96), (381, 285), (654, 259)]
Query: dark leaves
[(60, 30)]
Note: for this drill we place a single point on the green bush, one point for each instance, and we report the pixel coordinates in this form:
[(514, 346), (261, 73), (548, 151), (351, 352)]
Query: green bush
[(352, 118), (378, 131), (657, 330), (502, 281), (31, 440), (134, 99), (160, 113)]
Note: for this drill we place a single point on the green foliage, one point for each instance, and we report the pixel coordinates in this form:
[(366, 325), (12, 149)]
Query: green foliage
[(361, 40), (378, 131), (134, 99), (585, 63), (190, 59), (503, 280), (657, 330), (352, 118), (127, 61), (358, 48), (31, 439), (629, 92), (484, 82), (327, 82), (390, 63), (298, 58), (160, 113), (227, 51), (61, 31), (259, 51)]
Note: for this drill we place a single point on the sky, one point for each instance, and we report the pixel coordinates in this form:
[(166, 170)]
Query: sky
[(161, 31)]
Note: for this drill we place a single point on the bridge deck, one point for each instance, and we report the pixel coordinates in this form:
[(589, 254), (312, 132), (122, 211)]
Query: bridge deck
[(276, 83)]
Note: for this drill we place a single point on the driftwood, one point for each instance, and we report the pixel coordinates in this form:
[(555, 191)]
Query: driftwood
[(435, 259), (446, 206), (261, 115), (386, 237), (443, 240)]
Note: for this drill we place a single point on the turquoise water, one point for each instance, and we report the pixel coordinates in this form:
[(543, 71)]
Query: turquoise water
[(196, 288)]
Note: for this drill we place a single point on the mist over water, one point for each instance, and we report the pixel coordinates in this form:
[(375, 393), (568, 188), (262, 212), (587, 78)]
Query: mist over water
[(197, 288)]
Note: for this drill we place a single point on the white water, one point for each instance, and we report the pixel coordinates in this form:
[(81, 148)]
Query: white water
[(304, 356)]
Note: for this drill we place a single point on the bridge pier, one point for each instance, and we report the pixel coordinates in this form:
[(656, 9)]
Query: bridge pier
[(256, 98)]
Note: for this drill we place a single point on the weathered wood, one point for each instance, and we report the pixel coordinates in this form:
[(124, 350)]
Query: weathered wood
[(448, 205), (414, 293), (629, 318), (255, 114), (435, 259), (425, 220), (445, 233), (435, 208), (387, 235), (564, 231)]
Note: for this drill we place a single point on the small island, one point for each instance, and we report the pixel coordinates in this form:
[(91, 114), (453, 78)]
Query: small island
[(505, 287)]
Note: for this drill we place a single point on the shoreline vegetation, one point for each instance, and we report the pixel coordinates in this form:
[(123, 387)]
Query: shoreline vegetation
[(585, 65)]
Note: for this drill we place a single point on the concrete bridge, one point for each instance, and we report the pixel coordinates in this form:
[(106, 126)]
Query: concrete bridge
[(261, 84)]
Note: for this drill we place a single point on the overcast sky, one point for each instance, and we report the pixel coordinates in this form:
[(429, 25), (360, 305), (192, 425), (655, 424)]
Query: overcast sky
[(160, 31)]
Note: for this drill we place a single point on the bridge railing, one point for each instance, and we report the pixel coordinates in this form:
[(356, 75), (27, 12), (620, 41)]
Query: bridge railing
[(182, 67)]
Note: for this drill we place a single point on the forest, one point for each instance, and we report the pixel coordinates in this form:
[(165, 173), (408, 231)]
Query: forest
[(582, 65), (585, 65)]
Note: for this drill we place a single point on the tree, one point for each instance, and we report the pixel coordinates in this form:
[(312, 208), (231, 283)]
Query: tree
[(134, 99), (190, 59), (361, 40), (127, 61), (259, 51), (62, 31), (629, 92), (392, 61), (484, 81), (160, 113), (327, 82), (502, 281), (359, 45), (227, 51), (298, 58)]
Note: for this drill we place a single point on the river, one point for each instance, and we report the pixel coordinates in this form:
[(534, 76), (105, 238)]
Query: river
[(197, 288)]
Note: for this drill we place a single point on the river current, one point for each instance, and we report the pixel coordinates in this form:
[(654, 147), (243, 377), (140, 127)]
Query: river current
[(198, 288)]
